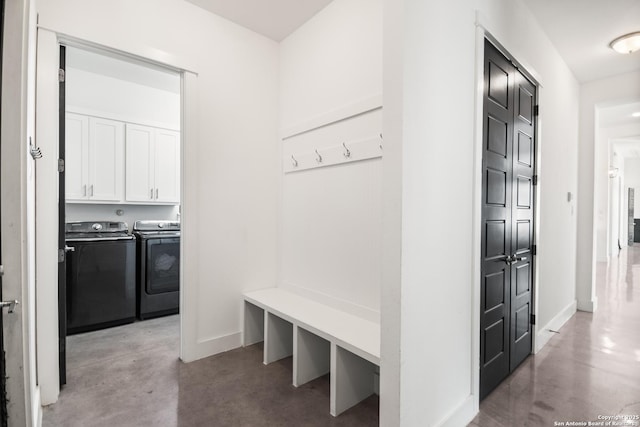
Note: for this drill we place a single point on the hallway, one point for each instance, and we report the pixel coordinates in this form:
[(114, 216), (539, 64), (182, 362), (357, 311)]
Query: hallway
[(591, 368)]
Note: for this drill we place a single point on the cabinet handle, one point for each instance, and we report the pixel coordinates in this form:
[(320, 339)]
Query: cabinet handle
[(151, 194), (91, 190), (156, 194), (84, 190)]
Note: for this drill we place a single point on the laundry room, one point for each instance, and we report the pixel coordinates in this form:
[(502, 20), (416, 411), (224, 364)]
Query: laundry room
[(121, 197)]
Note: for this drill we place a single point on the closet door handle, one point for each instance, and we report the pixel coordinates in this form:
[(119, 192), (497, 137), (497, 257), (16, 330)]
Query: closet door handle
[(151, 194), (84, 190), (156, 194), (91, 191)]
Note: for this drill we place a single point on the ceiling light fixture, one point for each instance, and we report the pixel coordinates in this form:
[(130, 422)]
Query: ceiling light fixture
[(626, 44), (636, 114)]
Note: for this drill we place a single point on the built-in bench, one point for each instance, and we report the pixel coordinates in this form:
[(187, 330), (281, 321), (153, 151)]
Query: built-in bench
[(321, 339)]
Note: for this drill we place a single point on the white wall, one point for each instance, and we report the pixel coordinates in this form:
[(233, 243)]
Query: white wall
[(131, 213), (229, 151), (17, 223), (109, 97), (331, 217), (440, 132), (592, 178)]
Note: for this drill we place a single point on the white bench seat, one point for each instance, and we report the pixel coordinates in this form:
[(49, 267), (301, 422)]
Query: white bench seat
[(321, 340)]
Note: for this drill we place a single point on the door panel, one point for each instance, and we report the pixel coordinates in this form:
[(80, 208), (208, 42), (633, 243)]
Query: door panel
[(77, 143), (106, 142), (523, 219), (139, 164), (507, 219), (496, 218)]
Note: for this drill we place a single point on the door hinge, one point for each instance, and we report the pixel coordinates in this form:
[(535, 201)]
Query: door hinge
[(534, 249), (533, 319), (536, 110), (535, 179), (61, 255), (61, 75), (60, 165)]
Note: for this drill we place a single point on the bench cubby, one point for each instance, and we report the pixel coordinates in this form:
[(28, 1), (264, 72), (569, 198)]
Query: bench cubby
[(321, 340)]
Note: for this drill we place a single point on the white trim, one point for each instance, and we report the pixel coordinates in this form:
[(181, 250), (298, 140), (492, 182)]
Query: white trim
[(476, 225), (544, 334), (590, 306), (211, 346), (189, 195), (160, 59), (461, 415), (508, 48), (48, 52), (336, 115), (36, 407), (339, 303)]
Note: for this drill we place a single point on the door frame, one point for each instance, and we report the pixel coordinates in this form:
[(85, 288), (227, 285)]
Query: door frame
[(47, 97), (485, 30), (16, 223)]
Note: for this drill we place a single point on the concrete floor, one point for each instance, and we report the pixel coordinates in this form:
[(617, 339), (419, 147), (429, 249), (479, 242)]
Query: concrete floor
[(131, 376), (590, 369)]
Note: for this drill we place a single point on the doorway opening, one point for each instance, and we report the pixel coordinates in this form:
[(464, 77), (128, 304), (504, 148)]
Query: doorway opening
[(119, 208), (508, 213)]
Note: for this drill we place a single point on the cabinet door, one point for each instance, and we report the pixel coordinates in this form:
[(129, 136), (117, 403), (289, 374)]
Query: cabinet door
[(167, 166), (77, 156), (106, 143), (139, 164)]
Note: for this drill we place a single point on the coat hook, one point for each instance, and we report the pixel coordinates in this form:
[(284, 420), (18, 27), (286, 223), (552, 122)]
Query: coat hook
[(319, 157), (347, 152), (294, 161), (35, 151)]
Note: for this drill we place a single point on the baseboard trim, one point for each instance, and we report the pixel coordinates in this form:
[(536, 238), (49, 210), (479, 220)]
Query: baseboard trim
[(589, 306), (37, 411), (544, 334), (461, 415), (212, 346)]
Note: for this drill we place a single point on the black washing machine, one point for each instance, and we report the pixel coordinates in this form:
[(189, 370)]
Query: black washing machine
[(158, 271), (101, 275)]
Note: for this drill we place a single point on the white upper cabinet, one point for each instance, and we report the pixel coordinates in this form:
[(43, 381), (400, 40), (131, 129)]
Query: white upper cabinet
[(139, 164), (93, 159), (76, 156), (106, 148), (108, 161), (152, 165)]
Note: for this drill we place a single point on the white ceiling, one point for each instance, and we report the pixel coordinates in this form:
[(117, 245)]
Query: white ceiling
[(275, 19), (619, 115), (581, 30)]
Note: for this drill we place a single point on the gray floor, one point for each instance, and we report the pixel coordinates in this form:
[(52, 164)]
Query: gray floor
[(131, 376), (591, 368)]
